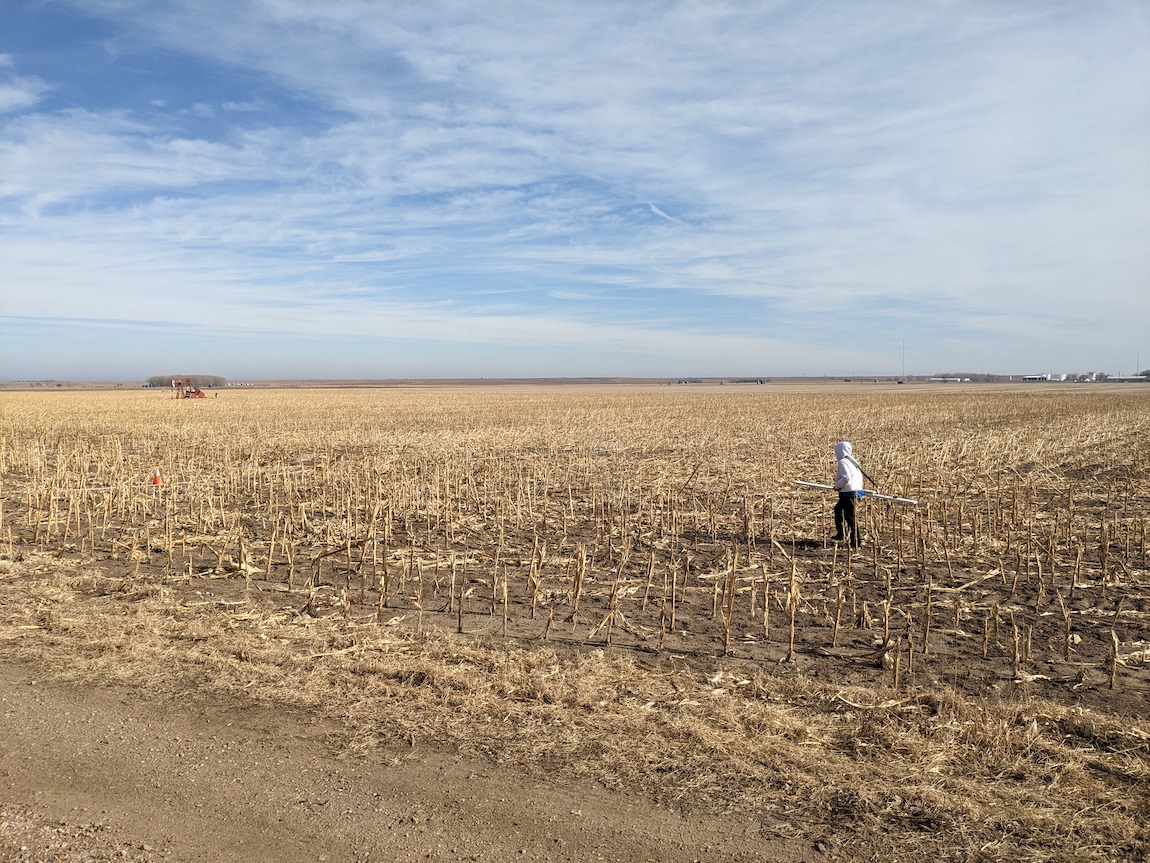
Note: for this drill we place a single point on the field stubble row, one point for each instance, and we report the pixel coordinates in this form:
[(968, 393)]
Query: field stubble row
[(655, 521)]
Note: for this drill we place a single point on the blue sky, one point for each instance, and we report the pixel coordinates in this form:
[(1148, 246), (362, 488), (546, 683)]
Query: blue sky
[(285, 188)]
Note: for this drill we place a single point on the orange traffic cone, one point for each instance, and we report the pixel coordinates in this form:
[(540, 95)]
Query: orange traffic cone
[(156, 478)]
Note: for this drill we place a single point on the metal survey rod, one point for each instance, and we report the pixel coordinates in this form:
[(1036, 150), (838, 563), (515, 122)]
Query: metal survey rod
[(863, 493)]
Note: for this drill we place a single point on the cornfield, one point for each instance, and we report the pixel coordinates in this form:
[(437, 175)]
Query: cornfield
[(655, 537)]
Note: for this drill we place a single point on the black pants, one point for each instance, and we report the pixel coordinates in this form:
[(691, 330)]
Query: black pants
[(845, 518)]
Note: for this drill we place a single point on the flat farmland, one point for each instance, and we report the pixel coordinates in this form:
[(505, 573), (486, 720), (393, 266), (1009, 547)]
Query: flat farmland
[(624, 585)]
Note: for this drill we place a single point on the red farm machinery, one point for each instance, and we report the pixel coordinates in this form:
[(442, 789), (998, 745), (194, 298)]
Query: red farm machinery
[(185, 389)]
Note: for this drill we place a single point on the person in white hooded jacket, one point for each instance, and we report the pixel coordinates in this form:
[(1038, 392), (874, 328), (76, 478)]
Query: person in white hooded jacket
[(848, 483)]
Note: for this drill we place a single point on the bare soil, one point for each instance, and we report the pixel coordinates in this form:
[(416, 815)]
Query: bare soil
[(90, 773)]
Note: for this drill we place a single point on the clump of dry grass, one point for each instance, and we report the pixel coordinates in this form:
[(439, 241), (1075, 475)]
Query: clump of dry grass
[(924, 770)]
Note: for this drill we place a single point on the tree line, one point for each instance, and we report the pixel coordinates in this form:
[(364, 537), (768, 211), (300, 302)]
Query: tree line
[(196, 380)]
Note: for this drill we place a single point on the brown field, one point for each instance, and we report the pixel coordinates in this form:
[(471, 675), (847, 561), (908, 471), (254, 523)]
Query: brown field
[(623, 584)]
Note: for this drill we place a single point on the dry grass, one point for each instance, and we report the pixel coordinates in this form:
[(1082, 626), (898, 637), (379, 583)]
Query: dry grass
[(311, 550), (994, 779)]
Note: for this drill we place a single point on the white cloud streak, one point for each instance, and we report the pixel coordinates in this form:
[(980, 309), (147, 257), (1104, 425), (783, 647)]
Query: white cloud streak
[(767, 183)]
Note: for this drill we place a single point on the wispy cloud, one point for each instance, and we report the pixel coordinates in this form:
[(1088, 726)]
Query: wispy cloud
[(18, 92), (775, 188)]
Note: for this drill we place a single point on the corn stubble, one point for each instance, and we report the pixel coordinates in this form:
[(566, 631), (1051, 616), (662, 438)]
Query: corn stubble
[(589, 577)]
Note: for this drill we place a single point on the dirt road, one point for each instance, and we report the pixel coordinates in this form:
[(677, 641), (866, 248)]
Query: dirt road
[(94, 774)]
